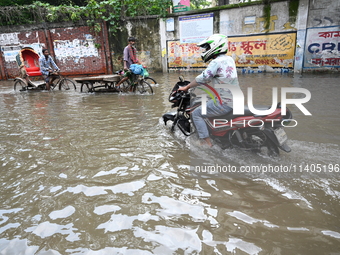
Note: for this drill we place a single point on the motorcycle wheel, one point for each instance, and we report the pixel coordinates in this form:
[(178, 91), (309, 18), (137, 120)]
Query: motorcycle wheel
[(184, 126), (267, 147), (254, 140), (183, 123), (272, 149)]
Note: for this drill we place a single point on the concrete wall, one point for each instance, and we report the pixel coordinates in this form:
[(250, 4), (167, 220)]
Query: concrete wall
[(308, 42), (76, 50), (147, 33), (322, 40)]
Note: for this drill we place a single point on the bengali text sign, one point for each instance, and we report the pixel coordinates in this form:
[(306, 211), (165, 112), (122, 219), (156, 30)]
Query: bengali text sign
[(322, 47), (275, 50)]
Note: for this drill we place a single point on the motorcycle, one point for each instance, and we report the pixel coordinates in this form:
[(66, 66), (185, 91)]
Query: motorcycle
[(248, 131)]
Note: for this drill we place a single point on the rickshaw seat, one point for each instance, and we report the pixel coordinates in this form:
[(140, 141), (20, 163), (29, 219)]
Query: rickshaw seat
[(31, 60)]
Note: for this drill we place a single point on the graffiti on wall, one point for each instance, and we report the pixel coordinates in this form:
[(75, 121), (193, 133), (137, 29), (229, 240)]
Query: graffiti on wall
[(322, 47), (324, 13), (275, 50), (76, 48), (325, 21), (184, 55)]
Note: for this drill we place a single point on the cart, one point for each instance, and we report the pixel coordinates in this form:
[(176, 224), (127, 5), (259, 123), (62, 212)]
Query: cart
[(101, 83)]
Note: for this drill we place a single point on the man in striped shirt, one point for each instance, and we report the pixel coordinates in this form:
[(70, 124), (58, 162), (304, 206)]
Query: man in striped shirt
[(130, 57), (48, 68)]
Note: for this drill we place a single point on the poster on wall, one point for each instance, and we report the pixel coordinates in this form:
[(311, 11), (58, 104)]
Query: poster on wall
[(184, 55), (10, 52), (196, 28), (275, 50), (170, 24), (76, 48), (9, 39), (322, 47), (181, 5)]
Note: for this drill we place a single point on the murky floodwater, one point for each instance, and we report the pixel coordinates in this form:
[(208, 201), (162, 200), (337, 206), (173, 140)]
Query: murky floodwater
[(101, 174)]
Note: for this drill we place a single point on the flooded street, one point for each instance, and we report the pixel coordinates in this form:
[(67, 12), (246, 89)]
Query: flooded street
[(100, 174)]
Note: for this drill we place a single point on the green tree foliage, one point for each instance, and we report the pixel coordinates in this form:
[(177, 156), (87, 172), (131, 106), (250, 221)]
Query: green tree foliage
[(51, 2), (112, 11), (38, 12), (15, 2), (199, 4), (116, 11), (91, 12)]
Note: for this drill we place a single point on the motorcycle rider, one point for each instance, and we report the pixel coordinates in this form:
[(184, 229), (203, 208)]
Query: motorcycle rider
[(221, 70)]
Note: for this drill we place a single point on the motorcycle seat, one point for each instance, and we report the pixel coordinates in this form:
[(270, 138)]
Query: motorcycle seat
[(247, 112)]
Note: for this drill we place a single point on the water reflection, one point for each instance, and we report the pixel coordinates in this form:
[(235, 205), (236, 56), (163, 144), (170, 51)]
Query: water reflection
[(101, 174)]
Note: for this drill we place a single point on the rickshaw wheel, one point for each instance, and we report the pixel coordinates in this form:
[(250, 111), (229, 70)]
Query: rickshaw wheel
[(86, 87), (19, 85), (67, 84)]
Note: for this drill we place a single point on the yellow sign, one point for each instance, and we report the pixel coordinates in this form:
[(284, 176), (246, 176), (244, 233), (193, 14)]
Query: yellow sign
[(275, 50)]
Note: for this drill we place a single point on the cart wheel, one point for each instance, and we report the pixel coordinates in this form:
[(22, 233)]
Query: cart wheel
[(86, 87), (19, 85), (124, 86), (67, 84), (144, 88)]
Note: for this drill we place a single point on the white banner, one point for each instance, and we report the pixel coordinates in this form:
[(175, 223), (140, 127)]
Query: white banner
[(196, 28)]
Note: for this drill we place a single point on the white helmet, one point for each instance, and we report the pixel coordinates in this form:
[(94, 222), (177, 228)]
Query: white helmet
[(213, 45)]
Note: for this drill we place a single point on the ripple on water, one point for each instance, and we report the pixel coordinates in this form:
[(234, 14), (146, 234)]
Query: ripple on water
[(101, 174)]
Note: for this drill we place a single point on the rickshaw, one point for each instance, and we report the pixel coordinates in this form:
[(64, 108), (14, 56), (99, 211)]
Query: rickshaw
[(28, 62), (141, 83)]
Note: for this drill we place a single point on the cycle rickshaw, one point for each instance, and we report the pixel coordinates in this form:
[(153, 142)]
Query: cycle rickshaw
[(107, 83), (28, 62)]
